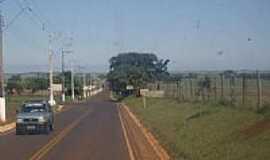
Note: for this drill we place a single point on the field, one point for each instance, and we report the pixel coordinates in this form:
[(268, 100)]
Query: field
[(205, 131)]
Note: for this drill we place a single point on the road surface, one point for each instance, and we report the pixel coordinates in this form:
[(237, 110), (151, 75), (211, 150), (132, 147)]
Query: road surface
[(91, 131)]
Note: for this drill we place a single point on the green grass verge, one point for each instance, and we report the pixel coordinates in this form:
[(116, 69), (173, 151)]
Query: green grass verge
[(205, 131)]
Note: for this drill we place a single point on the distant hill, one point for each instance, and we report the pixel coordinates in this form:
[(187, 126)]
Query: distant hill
[(44, 68)]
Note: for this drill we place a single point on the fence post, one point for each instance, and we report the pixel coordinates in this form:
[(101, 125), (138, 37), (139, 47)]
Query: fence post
[(185, 89), (191, 88), (243, 89), (144, 101), (177, 89), (259, 91), (232, 85), (181, 90), (222, 85), (215, 88)]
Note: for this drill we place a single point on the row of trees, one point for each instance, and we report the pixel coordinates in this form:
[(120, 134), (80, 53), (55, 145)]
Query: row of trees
[(18, 85)]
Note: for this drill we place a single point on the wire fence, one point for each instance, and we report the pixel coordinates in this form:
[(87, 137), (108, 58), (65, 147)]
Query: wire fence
[(249, 90)]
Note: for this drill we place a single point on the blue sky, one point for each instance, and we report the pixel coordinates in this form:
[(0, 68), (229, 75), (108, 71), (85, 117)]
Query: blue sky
[(189, 32)]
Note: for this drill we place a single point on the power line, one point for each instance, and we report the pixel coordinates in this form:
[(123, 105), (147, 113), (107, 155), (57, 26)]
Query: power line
[(35, 16), (6, 27), (15, 18), (30, 16), (39, 13)]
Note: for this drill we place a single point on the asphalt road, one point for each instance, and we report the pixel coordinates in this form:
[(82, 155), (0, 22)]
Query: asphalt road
[(89, 131)]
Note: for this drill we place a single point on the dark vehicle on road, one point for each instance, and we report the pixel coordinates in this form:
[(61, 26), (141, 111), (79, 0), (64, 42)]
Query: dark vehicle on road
[(35, 117)]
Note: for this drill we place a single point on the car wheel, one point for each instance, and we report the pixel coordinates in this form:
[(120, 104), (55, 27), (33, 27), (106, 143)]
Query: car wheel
[(18, 132), (47, 129), (51, 127)]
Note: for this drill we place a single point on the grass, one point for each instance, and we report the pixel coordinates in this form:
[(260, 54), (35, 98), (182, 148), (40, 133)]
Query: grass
[(205, 131), (116, 97)]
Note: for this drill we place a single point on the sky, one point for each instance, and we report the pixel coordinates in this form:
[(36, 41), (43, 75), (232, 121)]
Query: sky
[(193, 34)]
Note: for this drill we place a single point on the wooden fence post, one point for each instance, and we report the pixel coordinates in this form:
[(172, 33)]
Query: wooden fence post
[(186, 89), (177, 89), (191, 88), (181, 90), (144, 101), (185, 94), (243, 89), (259, 91), (232, 85), (222, 85), (215, 88)]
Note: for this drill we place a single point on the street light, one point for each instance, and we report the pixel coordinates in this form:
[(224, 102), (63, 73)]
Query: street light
[(2, 87), (51, 100)]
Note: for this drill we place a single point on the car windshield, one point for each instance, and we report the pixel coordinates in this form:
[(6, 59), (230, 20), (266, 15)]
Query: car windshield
[(30, 108)]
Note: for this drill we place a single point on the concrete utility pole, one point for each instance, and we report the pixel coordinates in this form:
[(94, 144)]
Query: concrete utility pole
[(63, 73), (51, 101), (63, 67), (2, 87), (63, 76), (89, 85), (2, 84), (72, 83), (84, 86)]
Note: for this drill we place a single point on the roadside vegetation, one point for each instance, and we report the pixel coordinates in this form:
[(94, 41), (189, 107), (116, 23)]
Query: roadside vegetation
[(34, 86), (205, 131), (199, 116)]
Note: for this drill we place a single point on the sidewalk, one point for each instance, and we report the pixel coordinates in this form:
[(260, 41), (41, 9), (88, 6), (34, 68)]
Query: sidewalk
[(7, 127)]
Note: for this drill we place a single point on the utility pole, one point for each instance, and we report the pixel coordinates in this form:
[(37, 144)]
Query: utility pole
[(90, 85), (63, 73), (72, 83), (2, 84), (51, 101), (84, 86), (222, 85), (63, 68), (63, 76), (2, 87)]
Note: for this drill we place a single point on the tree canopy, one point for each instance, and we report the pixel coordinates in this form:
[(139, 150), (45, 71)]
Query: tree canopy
[(136, 69), (14, 83)]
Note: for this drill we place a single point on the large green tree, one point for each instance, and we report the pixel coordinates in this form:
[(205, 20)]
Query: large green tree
[(14, 83), (136, 69), (78, 84), (36, 83)]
